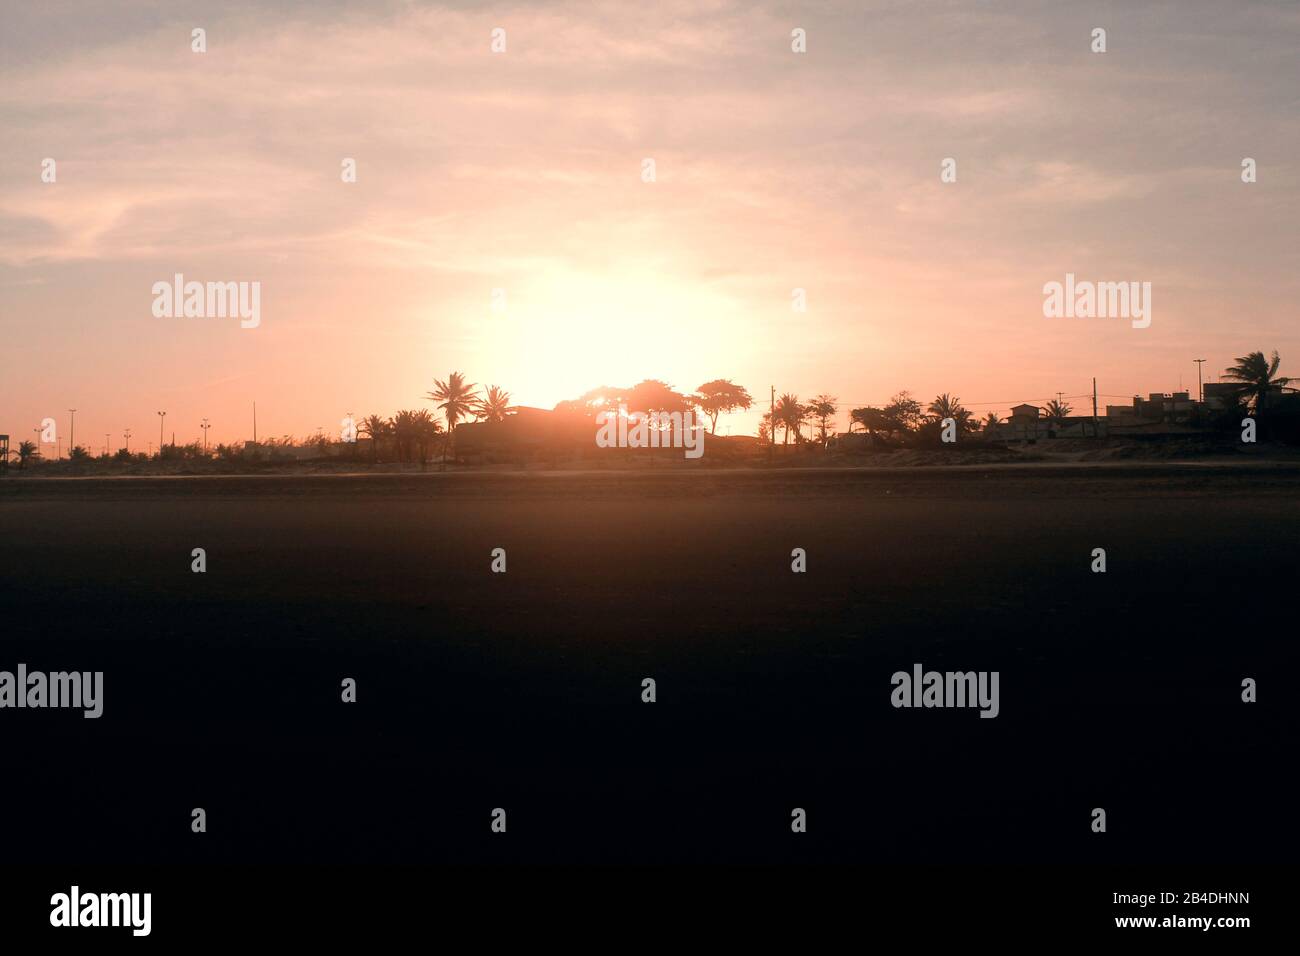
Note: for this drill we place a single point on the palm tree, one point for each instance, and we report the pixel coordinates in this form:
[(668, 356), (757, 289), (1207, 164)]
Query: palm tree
[(424, 432), (992, 421), (950, 406), (26, 450), (404, 429), (1058, 411), (493, 406), (376, 426), (458, 400), (1254, 375), (790, 414)]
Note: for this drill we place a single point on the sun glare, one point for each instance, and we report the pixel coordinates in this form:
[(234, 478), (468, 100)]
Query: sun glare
[(570, 332)]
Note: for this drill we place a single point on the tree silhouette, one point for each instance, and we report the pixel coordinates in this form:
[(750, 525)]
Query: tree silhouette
[(1254, 375), (376, 427), (492, 407), (456, 399), (822, 410), (1058, 412), (902, 414), (721, 396), (790, 414), (950, 406)]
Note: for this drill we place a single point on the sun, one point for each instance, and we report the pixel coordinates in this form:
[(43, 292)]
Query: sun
[(570, 332)]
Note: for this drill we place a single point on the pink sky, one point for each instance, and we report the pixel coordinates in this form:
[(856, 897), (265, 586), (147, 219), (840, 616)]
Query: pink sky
[(521, 171)]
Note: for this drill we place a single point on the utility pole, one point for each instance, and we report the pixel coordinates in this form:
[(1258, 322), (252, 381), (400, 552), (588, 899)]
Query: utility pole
[(255, 423), (162, 418), (106, 434), (126, 435), (205, 426), (72, 432), (771, 420), (1094, 407), (1200, 389)]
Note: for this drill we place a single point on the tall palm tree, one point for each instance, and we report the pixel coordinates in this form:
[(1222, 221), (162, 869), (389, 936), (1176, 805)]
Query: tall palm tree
[(457, 401), (790, 414), (492, 407), (1254, 375), (26, 450)]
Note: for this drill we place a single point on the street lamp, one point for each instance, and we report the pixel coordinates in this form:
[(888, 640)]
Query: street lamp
[(205, 426), (72, 432), (1199, 387), (162, 417), (126, 434)]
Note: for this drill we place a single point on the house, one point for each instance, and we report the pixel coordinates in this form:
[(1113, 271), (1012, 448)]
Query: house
[(1028, 423), (1158, 407), (1219, 395)]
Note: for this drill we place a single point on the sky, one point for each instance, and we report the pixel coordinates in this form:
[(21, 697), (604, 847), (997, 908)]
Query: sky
[(501, 223)]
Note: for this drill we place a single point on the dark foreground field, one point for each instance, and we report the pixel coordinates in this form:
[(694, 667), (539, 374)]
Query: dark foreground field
[(523, 690)]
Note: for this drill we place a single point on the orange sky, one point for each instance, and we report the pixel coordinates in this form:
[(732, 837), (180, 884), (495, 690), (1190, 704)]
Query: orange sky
[(522, 171)]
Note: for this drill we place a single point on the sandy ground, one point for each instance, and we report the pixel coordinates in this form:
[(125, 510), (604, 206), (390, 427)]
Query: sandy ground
[(522, 690)]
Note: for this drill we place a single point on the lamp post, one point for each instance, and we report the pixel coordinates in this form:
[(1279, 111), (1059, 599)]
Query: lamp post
[(205, 426), (72, 432), (126, 434), (162, 418), (1200, 389)]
